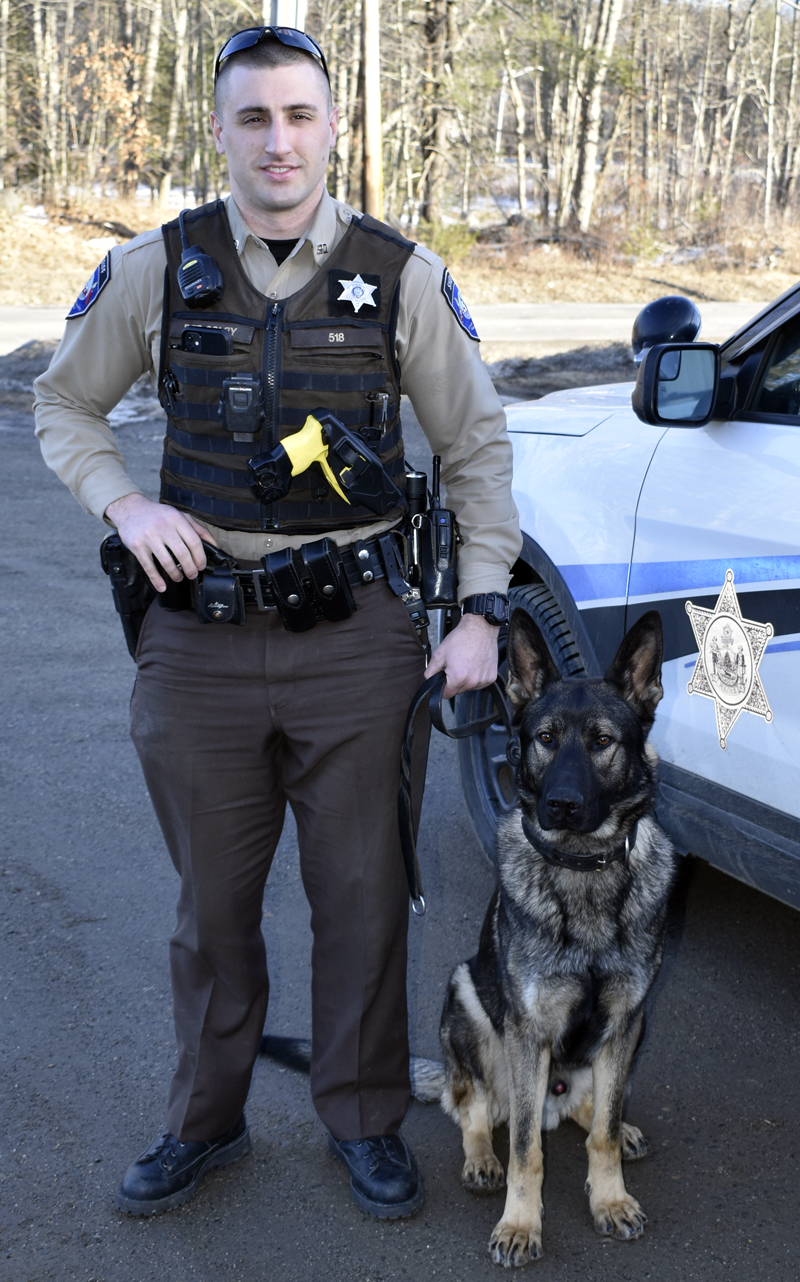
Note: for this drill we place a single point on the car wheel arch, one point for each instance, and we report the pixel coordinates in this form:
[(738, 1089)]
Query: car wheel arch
[(535, 565)]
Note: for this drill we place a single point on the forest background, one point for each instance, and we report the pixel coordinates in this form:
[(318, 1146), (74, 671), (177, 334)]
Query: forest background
[(555, 149)]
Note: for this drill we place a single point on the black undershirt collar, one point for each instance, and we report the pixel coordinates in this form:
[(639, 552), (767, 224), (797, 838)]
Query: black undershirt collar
[(280, 249)]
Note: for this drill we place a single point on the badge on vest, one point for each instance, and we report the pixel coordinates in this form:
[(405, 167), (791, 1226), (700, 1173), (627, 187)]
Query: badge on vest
[(348, 294), (458, 306), (92, 289)]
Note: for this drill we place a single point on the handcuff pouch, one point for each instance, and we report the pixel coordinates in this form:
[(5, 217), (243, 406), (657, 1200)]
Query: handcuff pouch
[(325, 569), (294, 605)]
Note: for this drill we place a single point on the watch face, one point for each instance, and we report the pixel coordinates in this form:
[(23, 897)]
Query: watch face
[(499, 611)]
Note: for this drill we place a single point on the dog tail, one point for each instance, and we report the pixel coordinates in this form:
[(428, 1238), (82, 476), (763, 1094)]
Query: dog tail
[(292, 1052), (427, 1075), (427, 1079)]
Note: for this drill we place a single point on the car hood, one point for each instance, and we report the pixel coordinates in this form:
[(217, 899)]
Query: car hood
[(573, 412)]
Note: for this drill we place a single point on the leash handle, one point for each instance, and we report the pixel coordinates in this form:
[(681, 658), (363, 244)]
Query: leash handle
[(432, 690), (472, 727)]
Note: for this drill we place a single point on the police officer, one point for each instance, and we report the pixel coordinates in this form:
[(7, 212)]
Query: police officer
[(319, 307)]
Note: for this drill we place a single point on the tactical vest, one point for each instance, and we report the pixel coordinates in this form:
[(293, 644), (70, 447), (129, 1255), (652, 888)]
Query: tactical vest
[(311, 350)]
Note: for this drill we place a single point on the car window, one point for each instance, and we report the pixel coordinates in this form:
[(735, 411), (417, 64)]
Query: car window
[(779, 389)]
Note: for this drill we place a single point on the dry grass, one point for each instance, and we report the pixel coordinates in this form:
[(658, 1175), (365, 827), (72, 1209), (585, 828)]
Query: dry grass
[(48, 263), (551, 274)]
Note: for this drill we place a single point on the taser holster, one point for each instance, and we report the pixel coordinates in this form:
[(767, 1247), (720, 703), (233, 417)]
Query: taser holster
[(348, 464)]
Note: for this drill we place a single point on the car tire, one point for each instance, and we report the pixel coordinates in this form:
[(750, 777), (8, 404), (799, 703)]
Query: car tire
[(487, 778)]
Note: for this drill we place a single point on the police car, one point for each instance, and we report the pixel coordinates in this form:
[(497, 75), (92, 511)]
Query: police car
[(680, 494)]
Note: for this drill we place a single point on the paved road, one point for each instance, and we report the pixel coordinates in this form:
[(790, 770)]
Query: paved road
[(576, 323), (517, 323)]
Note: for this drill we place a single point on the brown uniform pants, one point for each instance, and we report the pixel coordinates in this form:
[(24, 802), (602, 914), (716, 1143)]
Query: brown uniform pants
[(230, 723)]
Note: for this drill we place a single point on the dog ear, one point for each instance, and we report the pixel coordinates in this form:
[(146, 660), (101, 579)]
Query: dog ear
[(530, 667), (636, 670)]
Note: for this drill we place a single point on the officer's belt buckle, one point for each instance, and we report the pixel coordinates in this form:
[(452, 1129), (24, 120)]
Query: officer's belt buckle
[(259, 580)]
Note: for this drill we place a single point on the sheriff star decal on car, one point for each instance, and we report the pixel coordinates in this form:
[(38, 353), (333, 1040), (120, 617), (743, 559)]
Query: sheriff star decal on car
[(357, 292), (731, 648)]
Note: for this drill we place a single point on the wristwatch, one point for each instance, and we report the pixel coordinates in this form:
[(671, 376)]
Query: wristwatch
[(492, 605)]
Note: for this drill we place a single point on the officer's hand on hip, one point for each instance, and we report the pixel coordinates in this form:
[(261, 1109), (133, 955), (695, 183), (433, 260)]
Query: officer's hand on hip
[(154, 530), (468, 655)]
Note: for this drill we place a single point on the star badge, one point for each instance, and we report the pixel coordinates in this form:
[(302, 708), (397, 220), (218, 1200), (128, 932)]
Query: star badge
[(357, 292), (731, 648)]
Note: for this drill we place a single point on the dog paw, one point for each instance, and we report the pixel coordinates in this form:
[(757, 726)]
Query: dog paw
[(634, 1144), (513, 1245), (483, 1175), (623, 1219)]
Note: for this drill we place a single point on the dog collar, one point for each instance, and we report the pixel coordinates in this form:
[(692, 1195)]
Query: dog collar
[(578, 863)]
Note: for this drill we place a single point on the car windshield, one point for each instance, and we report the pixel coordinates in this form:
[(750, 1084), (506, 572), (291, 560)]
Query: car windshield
[(779, 389)]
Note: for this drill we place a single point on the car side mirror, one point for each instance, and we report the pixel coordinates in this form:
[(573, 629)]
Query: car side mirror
[(677, 384)]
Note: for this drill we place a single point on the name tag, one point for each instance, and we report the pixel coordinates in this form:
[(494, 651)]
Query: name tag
[(239, 333), (338, 336)]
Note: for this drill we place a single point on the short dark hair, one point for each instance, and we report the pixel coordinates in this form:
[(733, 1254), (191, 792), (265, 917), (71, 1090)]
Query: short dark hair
[(267, 53)]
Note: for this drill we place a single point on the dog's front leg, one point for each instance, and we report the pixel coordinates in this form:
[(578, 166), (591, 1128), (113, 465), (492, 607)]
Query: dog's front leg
[(615, 1212), (517, 1238)]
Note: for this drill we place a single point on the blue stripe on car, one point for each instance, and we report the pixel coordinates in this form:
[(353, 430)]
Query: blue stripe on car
[(604, 581)]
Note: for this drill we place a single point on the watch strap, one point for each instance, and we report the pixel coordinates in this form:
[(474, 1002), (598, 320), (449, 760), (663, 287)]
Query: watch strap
[(493, 606)]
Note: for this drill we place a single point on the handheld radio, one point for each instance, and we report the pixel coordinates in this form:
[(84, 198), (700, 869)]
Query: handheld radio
[(438, 549), (199, 278)]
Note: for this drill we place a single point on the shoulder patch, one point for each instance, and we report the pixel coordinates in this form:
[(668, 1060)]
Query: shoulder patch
[(92, 289), (458, 306)]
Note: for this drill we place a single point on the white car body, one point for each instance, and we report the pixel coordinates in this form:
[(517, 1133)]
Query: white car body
[(621, 517)]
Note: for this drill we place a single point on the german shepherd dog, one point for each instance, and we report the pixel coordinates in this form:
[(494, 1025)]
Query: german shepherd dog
[(543, 1022)]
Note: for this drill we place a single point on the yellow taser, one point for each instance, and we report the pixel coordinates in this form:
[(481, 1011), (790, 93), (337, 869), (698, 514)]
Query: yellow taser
[(308, 446)]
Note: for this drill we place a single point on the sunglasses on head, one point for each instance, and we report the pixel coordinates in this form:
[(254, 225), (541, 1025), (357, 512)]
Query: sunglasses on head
[(286, 35)]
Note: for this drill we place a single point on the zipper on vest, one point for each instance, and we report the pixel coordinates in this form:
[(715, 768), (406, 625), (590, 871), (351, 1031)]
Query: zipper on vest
[(271, 372)]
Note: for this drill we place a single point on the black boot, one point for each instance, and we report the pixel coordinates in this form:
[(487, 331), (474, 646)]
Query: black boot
[(384, 1179), (169, 1171)]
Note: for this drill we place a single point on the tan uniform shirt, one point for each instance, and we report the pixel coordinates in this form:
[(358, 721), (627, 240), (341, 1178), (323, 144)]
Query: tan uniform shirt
[(117, 340)]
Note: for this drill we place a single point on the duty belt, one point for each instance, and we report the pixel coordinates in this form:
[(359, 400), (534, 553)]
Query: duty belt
[(305, 585)]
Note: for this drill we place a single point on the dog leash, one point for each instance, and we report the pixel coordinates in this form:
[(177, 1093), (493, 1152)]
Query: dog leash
[(432, 691)]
